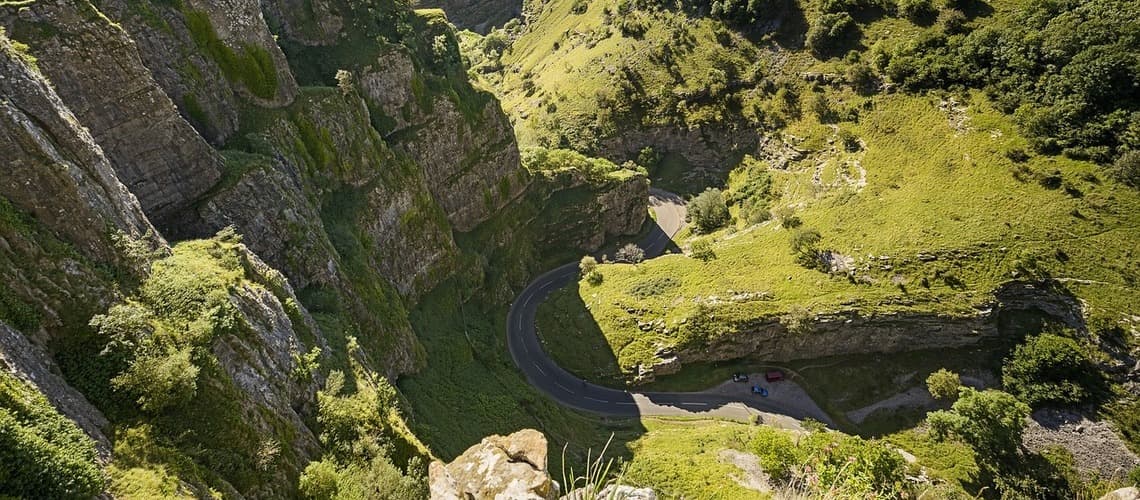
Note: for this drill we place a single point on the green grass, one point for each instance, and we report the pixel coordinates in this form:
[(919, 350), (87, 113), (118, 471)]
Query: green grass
[(252, 65), (680, 459), (941, 192), (561, 71)]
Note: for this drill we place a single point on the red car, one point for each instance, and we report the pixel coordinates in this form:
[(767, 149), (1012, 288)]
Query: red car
[(774, 376)]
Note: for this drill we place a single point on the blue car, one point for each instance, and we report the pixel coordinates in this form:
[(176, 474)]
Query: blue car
[(760, 390)]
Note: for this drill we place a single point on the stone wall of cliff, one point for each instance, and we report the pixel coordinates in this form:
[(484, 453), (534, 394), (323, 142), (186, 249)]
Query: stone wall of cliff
[(382, 176)]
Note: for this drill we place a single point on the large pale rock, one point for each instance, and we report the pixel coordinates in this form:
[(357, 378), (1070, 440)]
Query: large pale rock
[(1130, 493), (500, 467)]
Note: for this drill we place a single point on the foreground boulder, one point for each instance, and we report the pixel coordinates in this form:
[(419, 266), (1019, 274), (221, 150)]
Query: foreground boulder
[(499, 467)]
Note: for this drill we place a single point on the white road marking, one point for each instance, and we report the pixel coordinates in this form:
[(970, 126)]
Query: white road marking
[(540, 370), (596, 399), (626, 403), (563, 387)]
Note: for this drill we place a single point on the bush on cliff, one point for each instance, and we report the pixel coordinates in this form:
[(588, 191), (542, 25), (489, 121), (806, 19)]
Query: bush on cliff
[(1050, 370)]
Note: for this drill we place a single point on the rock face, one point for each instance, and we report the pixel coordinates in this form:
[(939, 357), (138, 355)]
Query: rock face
[(841, 334), (500, 467), (54, 260), (469, 156), (710, 153), (117, 113), (584, 214), (96, 70), (479, 16)]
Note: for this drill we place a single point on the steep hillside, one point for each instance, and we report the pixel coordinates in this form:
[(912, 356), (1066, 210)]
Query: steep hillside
[(894, 182), (355, 157)]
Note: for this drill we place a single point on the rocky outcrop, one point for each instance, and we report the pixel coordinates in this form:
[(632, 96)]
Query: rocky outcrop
[(32, 364), (65, 220), (499, 467), (208, 56), (54, 169), (469, 156), (96, 70), (480, 16), (583, 213), (710, 152), (834, 334), (1129, 493)]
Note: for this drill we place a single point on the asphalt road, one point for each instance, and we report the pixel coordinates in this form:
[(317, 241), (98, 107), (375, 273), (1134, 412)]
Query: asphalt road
[(562, 386)]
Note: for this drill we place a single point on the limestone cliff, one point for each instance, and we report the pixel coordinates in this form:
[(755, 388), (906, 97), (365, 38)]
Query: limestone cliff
[(65, 217), (769, 338), (96, 70), (195, 366)]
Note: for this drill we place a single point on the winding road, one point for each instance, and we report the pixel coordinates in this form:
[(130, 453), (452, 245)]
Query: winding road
[(562, 386)]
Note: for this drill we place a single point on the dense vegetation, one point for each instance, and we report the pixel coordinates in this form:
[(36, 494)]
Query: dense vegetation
[(1067, 70), (45, 455)]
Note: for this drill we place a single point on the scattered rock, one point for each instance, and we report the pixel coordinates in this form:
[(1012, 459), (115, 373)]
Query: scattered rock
[(1095, 446), (752, 475)]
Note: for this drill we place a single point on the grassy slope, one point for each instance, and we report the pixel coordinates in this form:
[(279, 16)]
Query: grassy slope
[(928, 189), (572, 61)]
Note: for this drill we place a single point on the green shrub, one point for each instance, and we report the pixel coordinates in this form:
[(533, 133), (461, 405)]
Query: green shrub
[(587, 265), (707, 211), (359, 443), (702, 250), (163, 336), (828, 31), (952, 21), (630, 254), (916, 10), (805, 246), (44, 454), (943, 384), (991, 422), (594, 278), (1050, 369)]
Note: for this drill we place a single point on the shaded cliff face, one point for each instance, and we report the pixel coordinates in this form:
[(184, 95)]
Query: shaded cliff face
[(479, 16), (96, 70), (65, 217)]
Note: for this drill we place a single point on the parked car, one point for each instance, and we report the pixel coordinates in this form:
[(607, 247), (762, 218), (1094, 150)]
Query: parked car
[(739, 377), (774, 376), (760, 390)]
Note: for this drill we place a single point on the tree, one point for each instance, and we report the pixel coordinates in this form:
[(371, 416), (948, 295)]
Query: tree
[(707, 211), (916, 10), (943, 384), (805, 246), (630, 253), (702, 250), (824, 35), (991, 422), (1049, 369), (587, 265)]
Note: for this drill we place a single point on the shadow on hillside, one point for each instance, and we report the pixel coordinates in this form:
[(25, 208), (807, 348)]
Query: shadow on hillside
[(573, 339), (469, 388)]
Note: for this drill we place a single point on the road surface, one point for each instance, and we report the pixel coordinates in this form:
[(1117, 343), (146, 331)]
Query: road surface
[(569, 390)]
